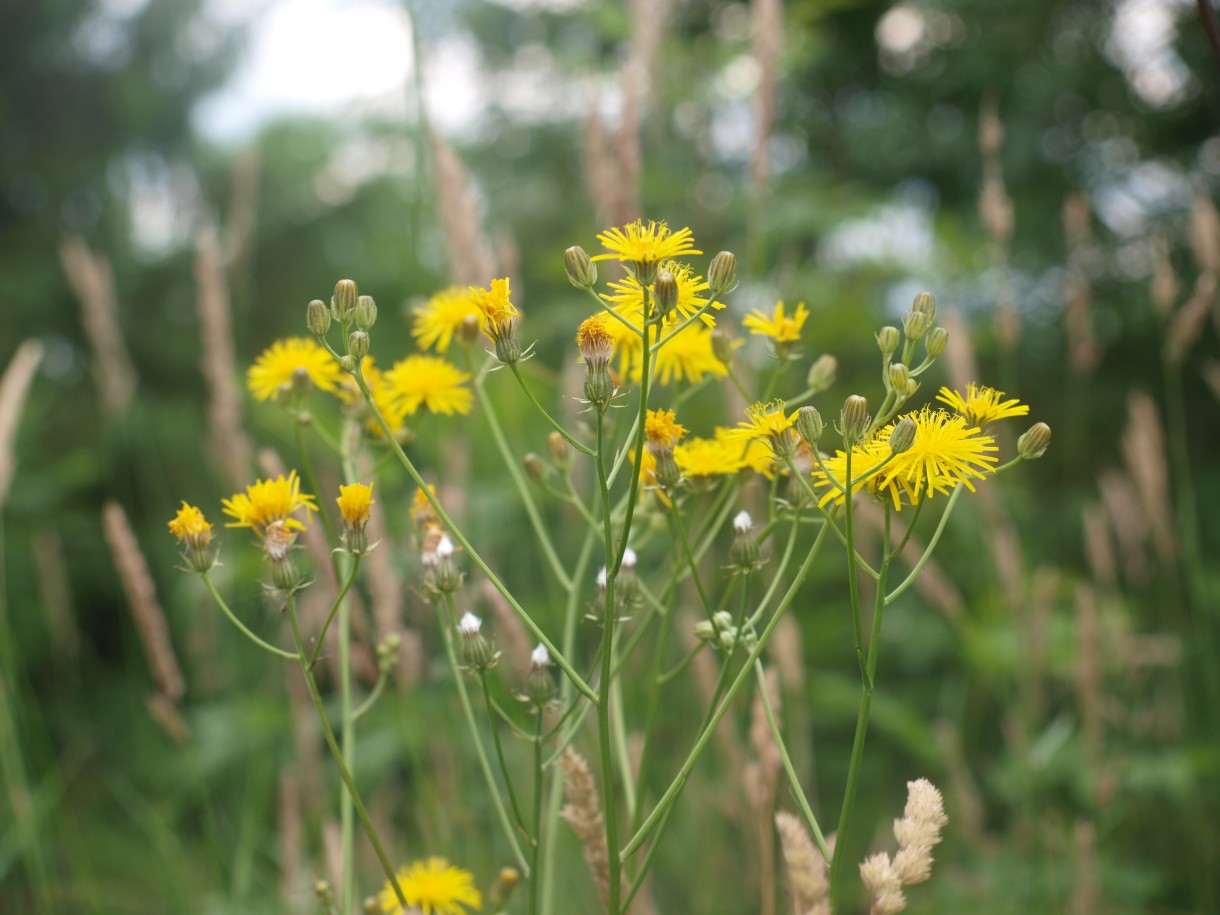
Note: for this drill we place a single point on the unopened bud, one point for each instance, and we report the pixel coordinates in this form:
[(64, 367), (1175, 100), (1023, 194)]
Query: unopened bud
[(854, 419), (326, 896), (822, 373), (348, 364), (302, 384), (743, 554), (722, 274), (888, 340), (899, 376), (665, 292), (916, 324), (560, 451), (535, 468), (344, 301), (540, 685), (722, 345), (809, 424), (1034, 442), (477, 653), (936, 341), (582, 272), (903, 436), (705, 631), (925, 304), (317, 318), (358, 344), (371, 906), (365, 314)]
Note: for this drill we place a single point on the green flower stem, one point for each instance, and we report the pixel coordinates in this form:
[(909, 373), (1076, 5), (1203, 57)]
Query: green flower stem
[(677, 669), (852, 584), (618, 731), (523, 489), (495, 736), (927, 553), (560, 660), (634, 487), (312, 480), (861, 562), (536, 847), (468, 710), (690, 557), (741, 388), (706, 734), (638, 880), (857, 750), (778, 576), (347, 726), (896, 551), (568, 437), (278, 652), (321, 637), (344, 772), (695, 316), (1013, 463), (793, 780), (371, 699)]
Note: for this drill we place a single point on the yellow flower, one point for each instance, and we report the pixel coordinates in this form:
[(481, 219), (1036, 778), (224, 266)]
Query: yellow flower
[(767, 423), (354, 502), (661, 428), (443, 315), (267, 501), (429, 382), (276, 366), (391, 408), (434, 887), (628, 299), (595, 339), (864, 457), (688, 357), (708, 457), (645, 244), (493, 304), (191, 528), (779, 327), (982, 405)]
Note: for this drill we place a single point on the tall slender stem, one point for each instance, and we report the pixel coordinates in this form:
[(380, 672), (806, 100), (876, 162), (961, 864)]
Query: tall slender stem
[(495, 736), (279, 652), (535, 874)]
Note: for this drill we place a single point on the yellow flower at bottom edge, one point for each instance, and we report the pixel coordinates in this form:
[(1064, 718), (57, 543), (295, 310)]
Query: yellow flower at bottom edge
[(429, 382), (434, 887), (277, 364)]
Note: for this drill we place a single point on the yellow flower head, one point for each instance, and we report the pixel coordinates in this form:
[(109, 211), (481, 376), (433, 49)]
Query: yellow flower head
[(947, 451), (982, 405), (595, 339), (429, 382), (275, 367), (644, 245), (392, 409), (434, 887), (865, 456), (493, 304), (628, 298), (354, 502), (779, 327), (688, 356), (267, 501), (769, 424), (191, 528), (708, 457), (661, 429), (443, 315)]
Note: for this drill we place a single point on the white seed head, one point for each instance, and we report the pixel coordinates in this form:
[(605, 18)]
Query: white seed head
[(629, 558), (444, 548), (469, 624), (743, 522), (540, 657)]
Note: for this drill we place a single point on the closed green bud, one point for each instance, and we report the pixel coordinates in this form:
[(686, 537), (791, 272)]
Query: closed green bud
[(899, 376), (809, 424), (888, 340), (582, 272), (916, 324), (560, 450), (477, 653), (358, 344), (903, 436), (302, 384), (535, 468), (348, 364), (743, 554), (925, 304), (317, 318), (936, 341), (722, 345), (722, 274), (365, 314), (822, 373), (1034, 442), (705, 631), (665, 292), (344, 301), (854, 419), (540, 685)]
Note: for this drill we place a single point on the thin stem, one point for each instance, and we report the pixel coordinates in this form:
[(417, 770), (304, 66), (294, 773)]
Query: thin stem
[(321, 637), (575, 443), (537, 845), (690, 558), (371, 699), (852, 583), (344, 772), (495, 736), (927, 553), (312, 480), (278, 652), (347, 726)]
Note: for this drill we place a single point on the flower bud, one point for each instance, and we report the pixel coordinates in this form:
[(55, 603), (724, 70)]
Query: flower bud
[(347, 364), (888, 340), (822, 373), (365, 314), (582, 272), (477, 653), (854, 419), (705, 631), (916, 324), (302, 384), (1034, 441), (925, 304), (743, 554), (722, 345), (665, 292), (722, 274), (370, 906), (899, 376), (535, 468), (903, 436), (344, 301), (809, 424), (317, 318), (936, 341), (540, 685), (440, 569), (358, 344), (560, 451), (627, 584)]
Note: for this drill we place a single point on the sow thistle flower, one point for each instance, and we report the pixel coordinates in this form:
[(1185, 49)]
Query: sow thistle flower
[(430, 382), (661, 433), (596, 344), (783, 330), (500, 318), (195, 534), (434, 887), (276, 367), (688, 356), (355, 501), (266, 502), (642, 246), (982, 405), (444, 315), (769, 424), (628, 298)]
